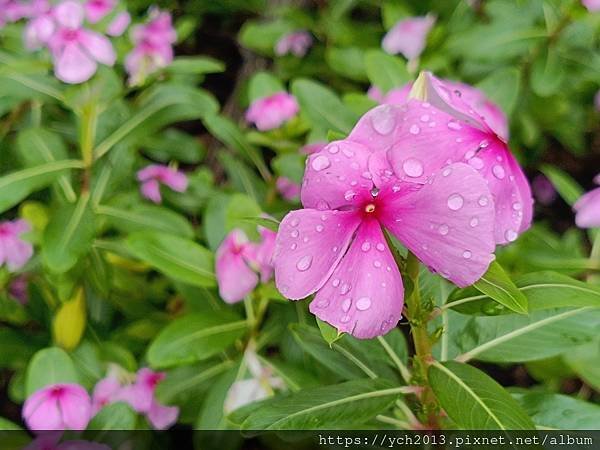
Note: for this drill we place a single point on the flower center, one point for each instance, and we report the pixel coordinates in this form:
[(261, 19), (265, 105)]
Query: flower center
[(370, 208)]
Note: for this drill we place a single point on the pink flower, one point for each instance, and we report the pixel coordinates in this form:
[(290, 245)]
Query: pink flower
[(75, 50), (296, 43), (96, 10), (119, 24), (14, 251), (12, 11), (288, 189), (408, 36), (452, 127), (51, 441), (587, 208), (396, 96), (271, 112), (153, 46), (238, 260), (336, 246), (313, 147), (154, 175), (41, 27), (591, 5), (18, 289), (543, 189), (58, 407), (140, 395)]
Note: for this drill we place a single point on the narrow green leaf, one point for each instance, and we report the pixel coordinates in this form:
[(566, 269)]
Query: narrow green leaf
[(497, 285), (263, 84), (147, 217), (329, 333), (474, 401), (502, 87), (386, 71), (197, 65), (567, 187)]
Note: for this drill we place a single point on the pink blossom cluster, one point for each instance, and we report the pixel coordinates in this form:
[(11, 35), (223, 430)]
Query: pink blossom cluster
[(272, 111), (152, 176), (14, 250), (68, 406), (430, 171), (241, 263)]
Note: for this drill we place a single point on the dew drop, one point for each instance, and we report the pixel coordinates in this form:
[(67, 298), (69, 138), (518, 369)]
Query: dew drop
[(446, 172), (498, 172), (345, 318), (413, 167), (383, 120), (365, 247), (349, 195), (484, 143), (295, 233), (324, 303), (517, 206), (425, 118), (294, 246), (454, 125), (474, 222), (304, 263), (346, 304), (345, 288), (476, 163), (333, 149), (367, 175), (455, 202), (510, 235), (443, 229), (469, 154), (377, 264), (380, 247), (320, 162), (483, 200), (336, 282), (467, 254), (348, 153), (319, 228), (363, 303), (294, 222), (415, 129), (322, 205)]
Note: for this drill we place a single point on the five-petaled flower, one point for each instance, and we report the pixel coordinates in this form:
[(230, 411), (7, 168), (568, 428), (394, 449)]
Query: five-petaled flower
[(337, 248), (58, 407), (271, 112), (408, 36), (154, 175), (296, 43)]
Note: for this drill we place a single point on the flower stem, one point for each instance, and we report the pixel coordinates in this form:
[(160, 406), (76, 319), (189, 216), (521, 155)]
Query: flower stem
[(87, 136), (418, 317)]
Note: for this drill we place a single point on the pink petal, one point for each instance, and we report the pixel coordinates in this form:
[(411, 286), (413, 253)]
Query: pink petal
[(119, 24), (313, 147), (588, 209), (76, 407), (591, 5), (151, 190), (99, 47), (234, 277), (148, 172), (174, 179), (41, 411), (309, 246), (73, 65), (288, 189), (69, 14), (162, 417), (104, 392), (296, 43), (364, 296), (408, 36), (97, 9), (244, 392), (38, 32), (271, 112), (264, 253), (336, 176), (448, 223), (379, 128), (17, 253)]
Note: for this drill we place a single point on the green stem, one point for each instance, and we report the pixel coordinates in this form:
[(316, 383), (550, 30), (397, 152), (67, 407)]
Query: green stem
[(87, 136), (250, 317)]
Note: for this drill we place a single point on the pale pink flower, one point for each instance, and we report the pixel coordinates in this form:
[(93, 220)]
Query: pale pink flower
[(448, 128), (271, 112), (587, 208), (543, 190), (40, 27), (18, 290), (76, 50), (296, 43), (154, 175), (288, 189), (336, 246), (396, 96), (96, 10), (591, 5), (119, 24), (13, 10), (597, 101), (313, 147), (153, 46), (58, 407), (14, 251), (408, 36), (239, 262)]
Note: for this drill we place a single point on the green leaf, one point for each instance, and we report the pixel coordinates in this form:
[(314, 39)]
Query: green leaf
[(559, 411), (295, 378), (585, 361), (290, 165), (116, 416), (547, 73), (497, 285), (68, 236), (347, 61), (178, 258), (566, 186), (263, 84), (473, 400), (196, 65), (194, 338), (173, 144), (147, 217), (327, 407), (266, 222), (262, 36), (329, 333), (321, 106), (16, 186), (49, 366), (7, 425), (386, 71), (502, 87)]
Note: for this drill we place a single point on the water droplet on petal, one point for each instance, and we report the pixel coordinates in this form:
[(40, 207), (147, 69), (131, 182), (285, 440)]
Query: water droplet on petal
[(517, 206), (443, 229), (323, 303), (469, 154), (304, 263), (349, 195), (413, 167), (346, 304), (483, 200), (446, 172), (383, 120), (454, 125), (294, 222), (467, 254), (380, 247), (365, 247), (510, 235), (367, 175), (474, 222), (484, 143), (319, 228), (347, 152), (455, 202), (320, 162), (336, 282), (425, 118), (498, 172), (476, 163), (415, 129), (377, 264), (363, 303), (295, 233), (333, 149), (322, 205), (345, 288), (345, 318), (294, 246)]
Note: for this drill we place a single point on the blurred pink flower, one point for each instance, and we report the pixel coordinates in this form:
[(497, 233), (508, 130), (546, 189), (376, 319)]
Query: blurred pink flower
[(76, 50), (153, 46), (96, 10), (140, 395), (40, 27), (119, 24), (14, 251), (154, 175), (396, 96), (591, 5), (313, 147), (587, 208), (543, 190), (597, 101), (18, 289), (288, 189), (408, 36), (13, 10), (58, 407), (51, 441), (271, 112), (296, 43), (336, 246), (239, 260)]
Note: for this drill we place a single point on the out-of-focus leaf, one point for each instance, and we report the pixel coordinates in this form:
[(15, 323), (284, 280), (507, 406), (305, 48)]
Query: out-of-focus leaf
[(115, 416), (565, 185), (585, 361), (197, 65), (179, 258), (172, 144), (329, 333), (347, 61), (290, 165), (503, 88), (49, 366), (195, 337), (547, 73), (262, 36), (147, 217), (474, 401), (263, 84), (386, 71), (496, 284)]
